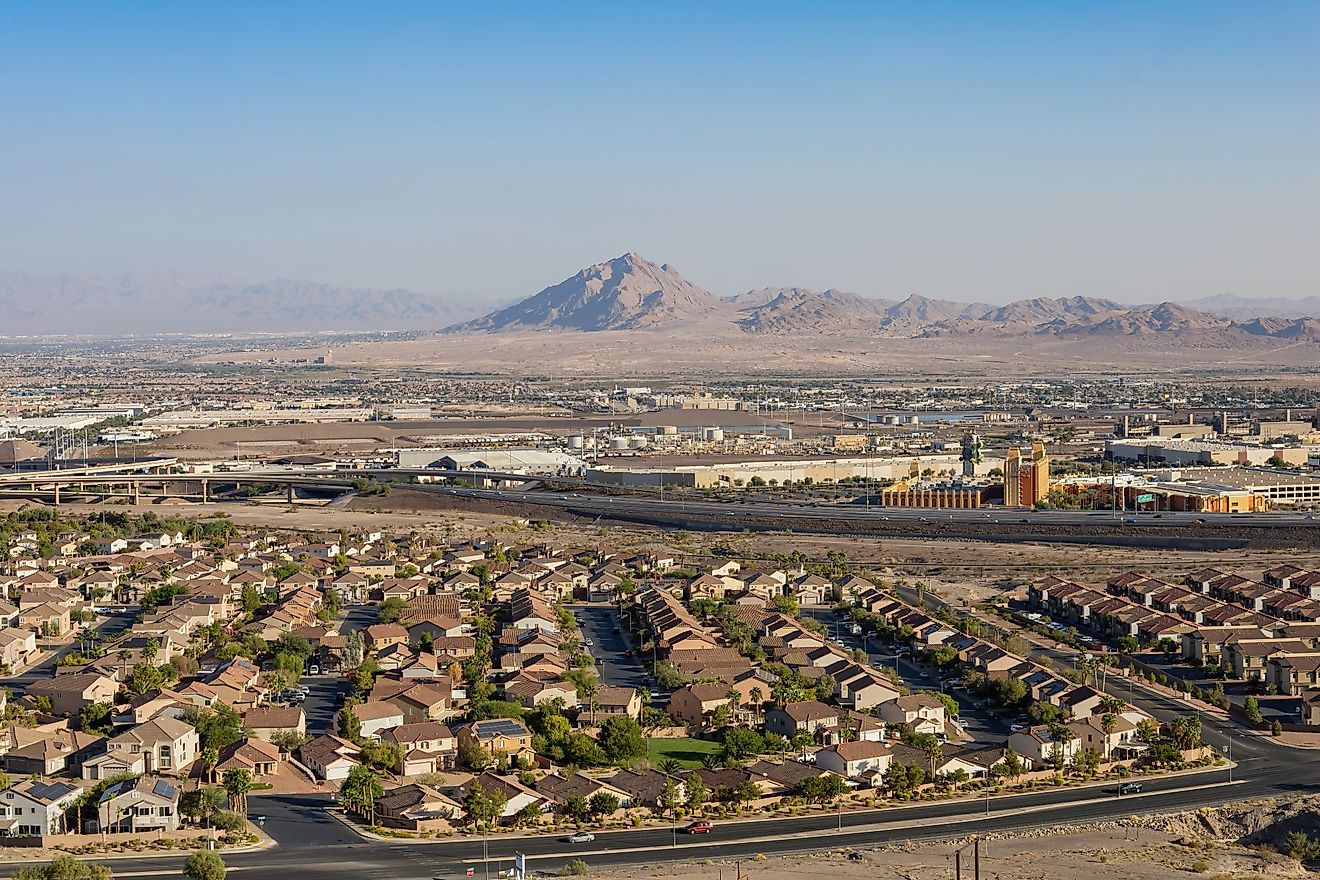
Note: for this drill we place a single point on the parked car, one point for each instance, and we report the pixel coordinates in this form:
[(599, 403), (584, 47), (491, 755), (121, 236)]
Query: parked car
[(1129, 788), (699, 827), (313, 670), (582, 837)]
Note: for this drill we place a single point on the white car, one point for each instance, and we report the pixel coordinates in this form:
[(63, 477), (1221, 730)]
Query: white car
[(582, 837)]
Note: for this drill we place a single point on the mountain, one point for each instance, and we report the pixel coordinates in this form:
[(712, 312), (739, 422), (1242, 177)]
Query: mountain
[(796, 309), (171, 302), (1244, 308), (626, 293), (1283, 328), (1164, 318), (920, 310), (1042, 309)]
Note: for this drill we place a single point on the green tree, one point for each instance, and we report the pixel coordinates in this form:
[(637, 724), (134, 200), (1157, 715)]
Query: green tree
[(484, 807), (698, 793), (204, 864), (603, 803), (1252, 707), (359, 792), (217, 727), (391, 610), (63, 868), (621, 739)]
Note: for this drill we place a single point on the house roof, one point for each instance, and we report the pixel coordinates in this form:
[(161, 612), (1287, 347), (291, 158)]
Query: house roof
[(275, 718)]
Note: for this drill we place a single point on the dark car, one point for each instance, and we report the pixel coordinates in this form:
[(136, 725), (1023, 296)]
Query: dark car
[(699, 827), (1129, 788)]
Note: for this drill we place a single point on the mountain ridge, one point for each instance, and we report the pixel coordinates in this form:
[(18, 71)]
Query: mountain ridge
[(175, 302)]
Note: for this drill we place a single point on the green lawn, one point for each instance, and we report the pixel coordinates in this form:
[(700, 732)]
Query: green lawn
[(686, 750)]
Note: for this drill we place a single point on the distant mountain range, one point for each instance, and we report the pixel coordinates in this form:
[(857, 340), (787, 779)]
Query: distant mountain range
[(138, 304), (632, 293), (626, 293)]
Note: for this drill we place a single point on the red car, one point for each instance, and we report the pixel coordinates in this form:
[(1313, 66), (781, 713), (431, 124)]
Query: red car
[(699, 828)]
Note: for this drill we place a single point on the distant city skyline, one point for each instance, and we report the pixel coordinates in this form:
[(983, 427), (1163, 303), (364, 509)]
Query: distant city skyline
[(967, 152)]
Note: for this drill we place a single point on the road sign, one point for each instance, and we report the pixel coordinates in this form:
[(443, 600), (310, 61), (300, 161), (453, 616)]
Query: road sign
[(519, 865), (472, 872), (1144, 499)]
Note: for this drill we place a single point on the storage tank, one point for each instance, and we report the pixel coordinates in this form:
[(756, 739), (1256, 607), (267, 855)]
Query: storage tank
[(667, 430), (637, 442), (912, 420), (618, 444), (576, 441), (712, 435)]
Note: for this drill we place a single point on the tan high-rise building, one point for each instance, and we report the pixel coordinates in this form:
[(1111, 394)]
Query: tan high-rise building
[(1026, 480)]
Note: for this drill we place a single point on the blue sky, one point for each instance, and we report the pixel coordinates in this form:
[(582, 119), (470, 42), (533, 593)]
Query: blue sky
[(974, 151)]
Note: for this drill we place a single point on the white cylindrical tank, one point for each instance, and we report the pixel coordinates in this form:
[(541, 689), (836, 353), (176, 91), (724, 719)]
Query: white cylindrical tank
[(618, 444), (712, 435), (638, 442), (576, 441)]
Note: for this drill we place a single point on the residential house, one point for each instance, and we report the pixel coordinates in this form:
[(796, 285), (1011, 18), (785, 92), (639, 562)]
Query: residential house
[(694, 703), (48, 750), (498, 736), (417, 807), (257, 756), (376, 717), (852, 759), (140, 804), (329, 757), (427, 747), (559, 789), (1038, 746), (162, 745), (265, 722), (919, 713), (804, 716), (38, 806), (68, 694)]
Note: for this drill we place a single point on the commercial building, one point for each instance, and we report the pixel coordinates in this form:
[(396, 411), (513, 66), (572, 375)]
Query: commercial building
[(1198, 452), (941, 495), (776, 471), (1026, 480), (509, 461)]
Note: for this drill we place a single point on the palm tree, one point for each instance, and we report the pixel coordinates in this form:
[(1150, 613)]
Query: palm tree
[(1108, 723), (935, 752), (757, 697), (210, 757), (670, 766), (238, 782), (1112, 705)]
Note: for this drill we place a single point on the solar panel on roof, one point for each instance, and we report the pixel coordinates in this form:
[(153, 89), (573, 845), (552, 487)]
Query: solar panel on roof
[(163, 788), (501, 725), (51, 791)]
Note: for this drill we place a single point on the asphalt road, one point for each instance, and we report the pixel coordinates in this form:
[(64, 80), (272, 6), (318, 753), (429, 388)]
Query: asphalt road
[(598, 623)]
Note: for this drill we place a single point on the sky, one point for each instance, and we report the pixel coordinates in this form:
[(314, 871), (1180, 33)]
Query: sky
[(974, 151)]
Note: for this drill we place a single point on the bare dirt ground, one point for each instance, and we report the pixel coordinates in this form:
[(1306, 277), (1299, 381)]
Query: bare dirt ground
[(1117, 853), (688, 354)]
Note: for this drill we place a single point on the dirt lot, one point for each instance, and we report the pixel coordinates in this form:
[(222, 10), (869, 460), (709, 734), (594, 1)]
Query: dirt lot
[(1117, 853)]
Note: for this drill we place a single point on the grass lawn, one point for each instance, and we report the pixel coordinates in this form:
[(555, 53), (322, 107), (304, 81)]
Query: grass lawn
[(686, 750)]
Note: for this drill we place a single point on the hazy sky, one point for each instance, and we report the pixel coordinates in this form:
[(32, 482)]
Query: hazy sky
[(987, 151)]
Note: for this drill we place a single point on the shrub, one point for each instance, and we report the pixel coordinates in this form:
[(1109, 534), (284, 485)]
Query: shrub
[(575, 868)]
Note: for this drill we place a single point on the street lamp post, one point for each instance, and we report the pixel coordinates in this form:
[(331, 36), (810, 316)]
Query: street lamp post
[(485, 849)]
